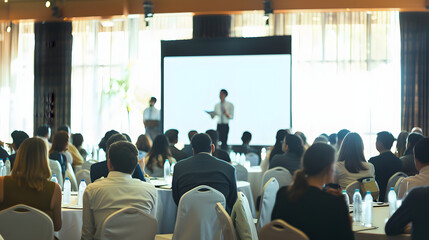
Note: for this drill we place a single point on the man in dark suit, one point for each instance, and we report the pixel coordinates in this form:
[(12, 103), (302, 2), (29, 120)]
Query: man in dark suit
[(386, 164), (101, 169), (188, 148), (173, 138), (204, 169), (221, 154), (18, 137)]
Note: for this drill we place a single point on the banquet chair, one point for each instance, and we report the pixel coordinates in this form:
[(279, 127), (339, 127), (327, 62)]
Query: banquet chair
[(196, 214), (268, 199), (129, 223), (253, 158), (242, 218), (350, 189), (282, 175), (279, 229), (228, 230), (393, 180), (56, 169), (24, 222), (83, 174), (397, 184), (72, 177), (87, 165), (241, 172)]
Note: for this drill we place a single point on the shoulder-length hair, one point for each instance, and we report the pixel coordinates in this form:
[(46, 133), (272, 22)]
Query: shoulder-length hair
[(31, 166), (144, 143), (60, 142), (160, 147), (351, 153)]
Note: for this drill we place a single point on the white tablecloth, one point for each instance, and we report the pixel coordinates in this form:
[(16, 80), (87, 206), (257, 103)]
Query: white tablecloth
[(255, 178), (244, 187)]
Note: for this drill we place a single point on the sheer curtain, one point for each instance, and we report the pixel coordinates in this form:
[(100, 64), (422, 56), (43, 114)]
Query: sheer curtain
[(116, 69), (345, 69), (16, 78)]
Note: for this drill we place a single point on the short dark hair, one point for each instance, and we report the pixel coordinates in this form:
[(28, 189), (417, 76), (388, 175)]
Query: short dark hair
[(115, 138), (127, 137), (123, 156), (295, 144), (64, 128), (152, 99), (77, 139), (201, 142), (106, 137), (224, 91), (386, 139), (333, 138), (172, 135), (214, 136), (246, 137), (43, 130), (191, 134), (342, 134), (18, 137), (412, 140), (421, 150)]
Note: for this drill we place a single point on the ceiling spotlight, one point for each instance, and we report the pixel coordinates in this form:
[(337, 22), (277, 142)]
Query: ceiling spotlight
[(267, 11), (48, 3), (148, 11)]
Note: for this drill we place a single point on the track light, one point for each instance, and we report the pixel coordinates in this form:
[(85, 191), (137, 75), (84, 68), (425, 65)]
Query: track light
[(48, 4), (267, 11), (148, 11)]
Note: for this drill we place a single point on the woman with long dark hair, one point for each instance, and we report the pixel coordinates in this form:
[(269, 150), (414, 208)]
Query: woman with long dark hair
[(278, 146), (155, 158)]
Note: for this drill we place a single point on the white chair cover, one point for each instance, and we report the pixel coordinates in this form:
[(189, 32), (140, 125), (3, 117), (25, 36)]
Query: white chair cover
[(56, 169), (24, 222), (83, 174), (241, 172), (279, 229), (129, 223), (72, 177), (196, 214), (87, 165), (228, 231), (350, 189), (242, 218), (253, 158), (392, 182), (268, 199), (282, 175)]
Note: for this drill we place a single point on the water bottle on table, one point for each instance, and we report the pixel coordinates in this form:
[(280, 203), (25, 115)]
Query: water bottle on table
[(82, 187), (1, 167), (392, 201), (346, 198), (367, 210), (54, 178), (67, 191), (357, 206), (7, 166), (167, 174)]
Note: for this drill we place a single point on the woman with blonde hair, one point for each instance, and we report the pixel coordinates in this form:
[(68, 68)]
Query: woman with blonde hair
[(29, 182)]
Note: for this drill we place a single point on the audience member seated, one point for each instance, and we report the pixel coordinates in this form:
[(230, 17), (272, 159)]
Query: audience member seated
[(143, 144), (386, 164), (401, 144), (219, 153), (107, 135), (29, 182), (408, 165), (351, 164), (340, 137), (18, 137), (58, 150), (3, 152), (417, 130), (245, 147), (101, 169), (278, 146), (333, 139), (153, 163), (173, 137), (413, 210), (204, 169), (421, 159), (44, 132), (77, 140), (117, 191), (76, 157), (304, 139), (291, 159), (304, 204), (321, 139), (188, 148)]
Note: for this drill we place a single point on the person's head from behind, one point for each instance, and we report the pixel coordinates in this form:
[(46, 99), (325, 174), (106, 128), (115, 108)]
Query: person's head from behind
[(401, 143), (280, 136), (223, 94), (421, 153), (106, 137), (31, 164), (317, 164), (123, 157), (202, 143), (246, 138), (417, 130), (214, 136), (60, 142), (191, 134), (351, 153), (341, 135), (127, 137), (321, 139), (293, 144), (333, 139), (65, 128), (77, 140), (302, 136), (18, 137), (44, 131), (412, 140), (160, 146), (172, 135), (144, 143), (115, 138), (384, 141), (152, 101)]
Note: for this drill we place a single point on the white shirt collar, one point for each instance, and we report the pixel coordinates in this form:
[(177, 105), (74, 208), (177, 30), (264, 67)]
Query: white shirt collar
[(117, 174)]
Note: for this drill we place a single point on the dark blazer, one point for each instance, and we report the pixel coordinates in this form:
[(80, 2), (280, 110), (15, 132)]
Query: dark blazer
[(204, 169), (290, 161), (100, 169), (3, 154), (188, 150), (222, 155), (178, 154), (61, 158)]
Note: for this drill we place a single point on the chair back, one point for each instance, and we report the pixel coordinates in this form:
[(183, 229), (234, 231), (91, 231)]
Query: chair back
[(196, 214), (351, 188), (56, 169), (243, 222), (129, 223), (241, 172), (282, 175), (228, 230), (87, 165), (253, 158), (24, 222), (72, 177), (83, 174), (268, 199), (397, 184), (392, 182), (279, 230)]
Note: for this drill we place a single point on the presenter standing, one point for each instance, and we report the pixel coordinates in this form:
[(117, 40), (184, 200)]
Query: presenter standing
[(225, 112), (151, 119)]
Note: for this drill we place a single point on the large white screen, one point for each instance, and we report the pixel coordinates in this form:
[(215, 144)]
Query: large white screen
[(258, 86)]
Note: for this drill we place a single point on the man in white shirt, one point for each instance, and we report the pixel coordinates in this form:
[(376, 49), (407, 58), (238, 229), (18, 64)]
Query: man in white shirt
[(225, 112), (151, 118), (107, 195), (421, 159)]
